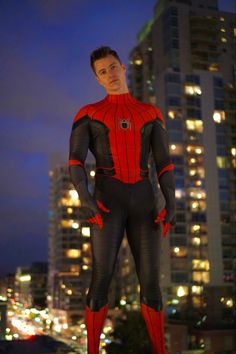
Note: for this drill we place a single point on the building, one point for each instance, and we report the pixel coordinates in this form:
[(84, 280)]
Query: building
[(3, 319), (36, 345), (69, 248), (31, 285), (184, 62), (7, 286)]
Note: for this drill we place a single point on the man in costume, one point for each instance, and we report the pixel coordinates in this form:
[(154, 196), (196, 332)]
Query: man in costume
[(120, 131)]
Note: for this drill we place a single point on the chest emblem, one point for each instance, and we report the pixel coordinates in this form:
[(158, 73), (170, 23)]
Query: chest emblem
[(124, 124)]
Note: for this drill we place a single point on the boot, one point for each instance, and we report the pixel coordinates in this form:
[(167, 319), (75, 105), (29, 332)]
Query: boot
[(94, 323), (155, 327)]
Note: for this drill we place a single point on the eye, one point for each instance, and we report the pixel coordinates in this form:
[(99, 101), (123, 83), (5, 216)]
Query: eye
[(113, 67), (103, 72)]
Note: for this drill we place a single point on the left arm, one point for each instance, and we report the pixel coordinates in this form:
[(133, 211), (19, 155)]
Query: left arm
[(165, 175)]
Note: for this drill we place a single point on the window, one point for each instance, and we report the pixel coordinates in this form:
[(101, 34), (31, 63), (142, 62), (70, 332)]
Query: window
[(217, 81), (222, 162), (194, 125), (195, 79), (179, 277), (174, 101)]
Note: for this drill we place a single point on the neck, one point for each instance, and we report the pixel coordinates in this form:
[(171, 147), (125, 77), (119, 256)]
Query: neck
[(124, 97)]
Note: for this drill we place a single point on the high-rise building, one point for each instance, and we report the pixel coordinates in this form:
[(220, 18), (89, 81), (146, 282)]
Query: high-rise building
[(184, 63), (31, 285)]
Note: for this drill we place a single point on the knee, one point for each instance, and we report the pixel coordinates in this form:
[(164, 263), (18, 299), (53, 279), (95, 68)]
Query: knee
[(155, 303)]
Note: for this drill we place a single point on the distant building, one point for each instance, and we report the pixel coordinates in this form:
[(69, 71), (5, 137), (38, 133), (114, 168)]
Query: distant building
[(7, 286), (69, 248), (184, 62), (35, 345), (31, 285), (3, 319)]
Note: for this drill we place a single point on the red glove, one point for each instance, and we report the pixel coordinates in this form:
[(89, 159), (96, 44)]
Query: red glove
[(97, 219), (165, 225)]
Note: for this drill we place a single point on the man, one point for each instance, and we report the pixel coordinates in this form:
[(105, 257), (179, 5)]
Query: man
[(120, 132)]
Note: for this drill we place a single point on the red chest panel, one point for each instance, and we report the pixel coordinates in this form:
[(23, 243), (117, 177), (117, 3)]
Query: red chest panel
[(123, 119)]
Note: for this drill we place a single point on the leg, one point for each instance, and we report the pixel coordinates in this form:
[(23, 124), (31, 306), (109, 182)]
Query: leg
[(144, 238), (105, 245)]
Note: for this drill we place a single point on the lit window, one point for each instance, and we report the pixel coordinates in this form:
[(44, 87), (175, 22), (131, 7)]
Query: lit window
[(219, 116), (197, 193), (195, 228), (194, 125), (75, 269), (172, 114), (196, 206), (85, 231), (233, 151), (66, 223), (176, 149), (86, 247), (179, 252), (25, 278), (199, 172), (222, 19), (69, 292), (92, 173), (85, 267), (138, 61), (179, 193), (213, 67), (196, 289), (200, 264), (223, 40), (73, 194), (70, 199), (69, 210), (223, 30), (198, 183), (192, 89), (234, 31), (201, 277), (196, 241), (86, 260), (193, 149), (75, 225), (182, 291), (73, 253), (222, 162)]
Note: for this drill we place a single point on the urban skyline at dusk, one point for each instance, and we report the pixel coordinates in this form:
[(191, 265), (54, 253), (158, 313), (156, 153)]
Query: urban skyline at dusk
[(46, 78)]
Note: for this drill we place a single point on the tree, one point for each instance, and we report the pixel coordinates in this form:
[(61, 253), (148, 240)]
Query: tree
[(129, 335)]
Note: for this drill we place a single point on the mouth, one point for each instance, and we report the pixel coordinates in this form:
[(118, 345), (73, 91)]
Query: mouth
[(113, 81)]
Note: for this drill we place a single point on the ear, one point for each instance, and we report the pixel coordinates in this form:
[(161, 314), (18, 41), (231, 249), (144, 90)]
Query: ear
[(123, 67)]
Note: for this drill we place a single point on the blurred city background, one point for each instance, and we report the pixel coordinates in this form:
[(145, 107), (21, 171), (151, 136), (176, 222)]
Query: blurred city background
[(181, 56)]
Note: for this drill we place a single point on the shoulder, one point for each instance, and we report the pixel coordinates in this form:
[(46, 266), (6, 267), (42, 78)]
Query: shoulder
[(88, 110), (153, 111), (156, 113)]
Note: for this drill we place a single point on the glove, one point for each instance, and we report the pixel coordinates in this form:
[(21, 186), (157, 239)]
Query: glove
[(167, 220), (90, 209)]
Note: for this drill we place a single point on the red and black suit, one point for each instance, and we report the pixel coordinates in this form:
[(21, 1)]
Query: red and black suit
[(120, 132)]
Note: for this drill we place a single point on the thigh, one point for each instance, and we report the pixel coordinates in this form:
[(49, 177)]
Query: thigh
[(105, 243), (143, 234)]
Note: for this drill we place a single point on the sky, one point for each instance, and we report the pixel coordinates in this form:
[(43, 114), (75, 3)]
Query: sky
[(44, 79)]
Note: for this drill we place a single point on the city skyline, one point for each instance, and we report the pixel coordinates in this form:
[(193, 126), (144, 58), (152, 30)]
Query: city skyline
[(35, 127)]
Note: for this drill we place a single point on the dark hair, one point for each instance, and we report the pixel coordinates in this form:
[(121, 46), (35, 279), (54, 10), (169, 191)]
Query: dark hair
[(100, 53)]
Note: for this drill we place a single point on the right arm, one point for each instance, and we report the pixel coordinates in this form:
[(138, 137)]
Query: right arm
[(79, 145)]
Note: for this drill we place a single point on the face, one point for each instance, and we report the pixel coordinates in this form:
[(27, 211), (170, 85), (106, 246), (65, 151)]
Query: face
[(110, 73)]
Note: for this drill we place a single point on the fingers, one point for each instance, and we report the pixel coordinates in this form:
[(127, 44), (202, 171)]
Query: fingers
[(102, 207), (166, 227), (160, 217), (97, 219)]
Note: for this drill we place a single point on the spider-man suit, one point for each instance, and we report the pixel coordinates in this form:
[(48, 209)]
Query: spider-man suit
[(120, 132)]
